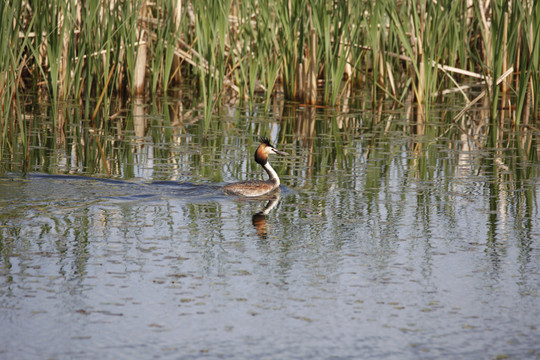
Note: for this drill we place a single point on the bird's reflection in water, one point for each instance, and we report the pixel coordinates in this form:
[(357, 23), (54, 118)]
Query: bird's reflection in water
[(259, 219)]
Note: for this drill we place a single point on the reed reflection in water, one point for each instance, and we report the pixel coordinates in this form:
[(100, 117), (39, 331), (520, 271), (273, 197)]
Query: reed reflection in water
[(391, 239)]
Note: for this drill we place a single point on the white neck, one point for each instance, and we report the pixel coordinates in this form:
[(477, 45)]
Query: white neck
[(272, 175)]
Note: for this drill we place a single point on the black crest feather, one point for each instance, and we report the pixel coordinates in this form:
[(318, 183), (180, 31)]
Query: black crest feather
[(264, 140)]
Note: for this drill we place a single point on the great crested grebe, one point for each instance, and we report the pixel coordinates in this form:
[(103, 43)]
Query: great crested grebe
[(251, 188)]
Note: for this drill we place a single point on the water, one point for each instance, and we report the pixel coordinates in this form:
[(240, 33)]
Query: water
[(381, 244)]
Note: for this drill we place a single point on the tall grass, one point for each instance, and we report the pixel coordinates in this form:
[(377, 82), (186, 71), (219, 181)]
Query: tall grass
[(71, 50), (337, 32), (12, 62), (292, 33)]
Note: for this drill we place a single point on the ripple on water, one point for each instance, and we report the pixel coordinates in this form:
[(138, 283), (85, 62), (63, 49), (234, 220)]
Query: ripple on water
[(388, 262)]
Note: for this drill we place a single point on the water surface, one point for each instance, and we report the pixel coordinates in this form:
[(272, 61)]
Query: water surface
[(381, 244)]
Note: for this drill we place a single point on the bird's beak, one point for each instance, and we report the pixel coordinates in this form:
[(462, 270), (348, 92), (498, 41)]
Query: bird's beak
[(280, 152)]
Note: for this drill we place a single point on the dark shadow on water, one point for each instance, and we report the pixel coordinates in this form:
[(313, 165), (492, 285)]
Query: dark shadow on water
[(188, 190), (127, 190), (74, 177)]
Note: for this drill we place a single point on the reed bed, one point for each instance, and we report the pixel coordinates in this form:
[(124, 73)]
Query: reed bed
[(311, 51)]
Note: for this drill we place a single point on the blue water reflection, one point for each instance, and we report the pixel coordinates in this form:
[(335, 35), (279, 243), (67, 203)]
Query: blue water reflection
[(395, 254)]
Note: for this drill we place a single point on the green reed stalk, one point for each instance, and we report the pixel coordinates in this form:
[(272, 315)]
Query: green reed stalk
[(156, 61), (498, 12), (12, 62), (211, 30), (171, 39), (292, 28), (9, 40), (437, 42), (337, 28), (109, 53), (76, 60), (53, 45), (526, 43), (166, 33), (244, 51), (398, 29), (373, 38), (262, 41), (128, 42)]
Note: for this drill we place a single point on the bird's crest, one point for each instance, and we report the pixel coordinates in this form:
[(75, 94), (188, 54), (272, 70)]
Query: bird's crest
[(264, 140)]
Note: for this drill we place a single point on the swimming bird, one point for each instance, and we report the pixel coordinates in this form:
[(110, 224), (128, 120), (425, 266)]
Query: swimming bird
[(251, 188)]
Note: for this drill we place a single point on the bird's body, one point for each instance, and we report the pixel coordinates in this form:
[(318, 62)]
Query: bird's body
[(252, 188)]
